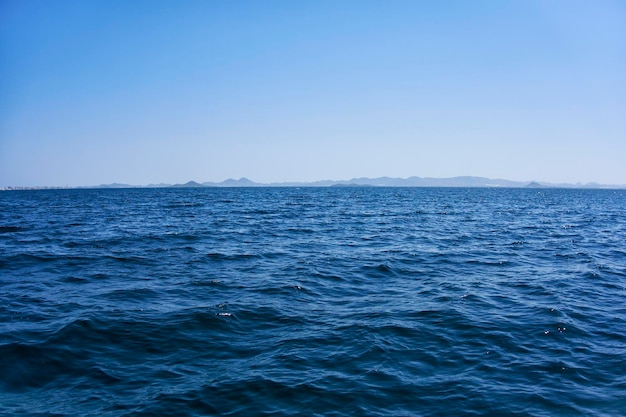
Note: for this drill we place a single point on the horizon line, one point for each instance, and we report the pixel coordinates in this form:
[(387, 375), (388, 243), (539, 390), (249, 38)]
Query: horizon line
[(383, 181)]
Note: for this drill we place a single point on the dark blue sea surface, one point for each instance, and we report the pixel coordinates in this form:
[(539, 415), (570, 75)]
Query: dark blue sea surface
[(313, 301)]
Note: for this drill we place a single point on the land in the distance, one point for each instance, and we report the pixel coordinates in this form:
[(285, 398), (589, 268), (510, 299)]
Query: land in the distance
[(465, 181)]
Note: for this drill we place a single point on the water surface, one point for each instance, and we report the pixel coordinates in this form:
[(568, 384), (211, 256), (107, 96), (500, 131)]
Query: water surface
[(313, 301)]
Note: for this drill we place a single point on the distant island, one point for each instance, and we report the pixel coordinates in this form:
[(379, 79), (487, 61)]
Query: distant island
[(464, 181)]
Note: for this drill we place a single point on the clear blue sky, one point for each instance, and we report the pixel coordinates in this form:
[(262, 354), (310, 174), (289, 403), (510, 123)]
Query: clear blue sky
[(149, 91)]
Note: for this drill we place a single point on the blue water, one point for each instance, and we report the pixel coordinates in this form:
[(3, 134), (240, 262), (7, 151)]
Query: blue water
[(313, 301)]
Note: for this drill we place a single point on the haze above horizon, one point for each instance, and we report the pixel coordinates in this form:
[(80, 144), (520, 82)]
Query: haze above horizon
[(147, 92)]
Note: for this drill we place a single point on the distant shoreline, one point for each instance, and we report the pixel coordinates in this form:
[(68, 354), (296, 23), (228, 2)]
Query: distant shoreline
[(417, 182)]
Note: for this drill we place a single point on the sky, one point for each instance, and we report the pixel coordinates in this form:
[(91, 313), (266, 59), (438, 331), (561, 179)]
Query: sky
[(148, 91)]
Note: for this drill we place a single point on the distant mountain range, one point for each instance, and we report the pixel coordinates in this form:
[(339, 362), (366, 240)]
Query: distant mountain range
[(465, 181), (361, 182)]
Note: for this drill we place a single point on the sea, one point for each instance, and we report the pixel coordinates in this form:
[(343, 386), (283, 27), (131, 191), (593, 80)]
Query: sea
[(337, 301)]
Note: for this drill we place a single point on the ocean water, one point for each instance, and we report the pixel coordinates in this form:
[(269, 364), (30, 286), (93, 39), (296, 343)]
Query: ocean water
[(313, 301)]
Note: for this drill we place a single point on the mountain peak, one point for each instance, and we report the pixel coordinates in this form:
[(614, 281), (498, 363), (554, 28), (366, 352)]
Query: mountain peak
[(189, 184)]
